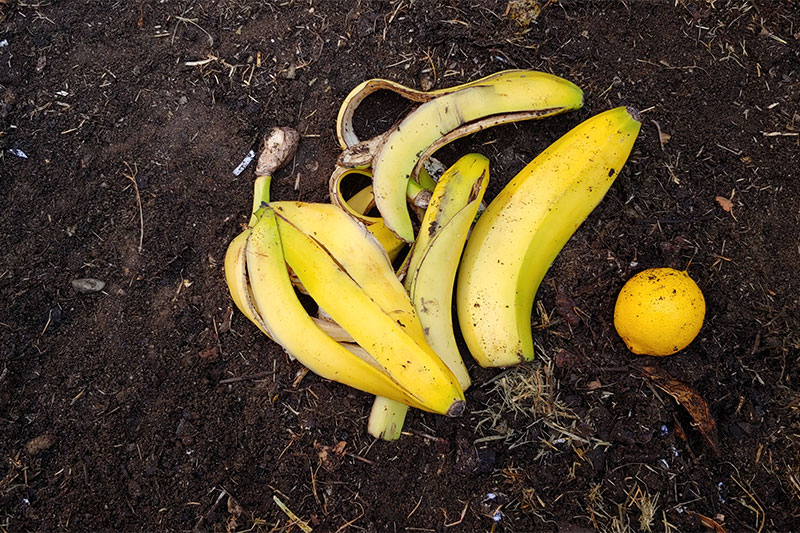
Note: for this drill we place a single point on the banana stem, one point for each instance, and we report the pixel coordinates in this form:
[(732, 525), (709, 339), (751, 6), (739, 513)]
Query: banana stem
[(425, 180), (260, 196), (386, 419)]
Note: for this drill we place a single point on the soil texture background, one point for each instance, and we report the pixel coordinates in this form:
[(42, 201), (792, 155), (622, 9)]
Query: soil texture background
[(154, 405)]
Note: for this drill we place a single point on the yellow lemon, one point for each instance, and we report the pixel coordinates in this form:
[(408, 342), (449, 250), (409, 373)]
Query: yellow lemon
[(659, 311)]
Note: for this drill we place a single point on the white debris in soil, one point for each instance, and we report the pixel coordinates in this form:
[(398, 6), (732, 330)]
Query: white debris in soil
[(245, 163), (88, 285), (19, 153)]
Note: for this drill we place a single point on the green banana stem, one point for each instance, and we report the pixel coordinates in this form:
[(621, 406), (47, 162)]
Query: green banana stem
[(386, 419), (426, 181), (260, 196)]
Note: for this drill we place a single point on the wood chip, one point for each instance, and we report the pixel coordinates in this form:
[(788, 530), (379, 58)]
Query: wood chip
[(725, 204)]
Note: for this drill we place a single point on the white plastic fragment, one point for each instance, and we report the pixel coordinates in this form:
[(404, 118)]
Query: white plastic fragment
[(19, 153), (3, 43), (245, 163)]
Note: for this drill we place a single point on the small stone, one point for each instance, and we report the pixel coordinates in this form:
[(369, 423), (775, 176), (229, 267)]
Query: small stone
[(88, 285)]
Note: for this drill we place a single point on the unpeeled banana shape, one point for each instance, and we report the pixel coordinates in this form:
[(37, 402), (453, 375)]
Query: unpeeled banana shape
[(516, 239)]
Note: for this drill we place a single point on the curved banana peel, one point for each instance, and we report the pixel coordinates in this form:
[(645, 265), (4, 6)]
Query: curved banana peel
[(357, 210), (497, 99), (519, 235), (435, 257), (389, 340), (431, 271), (292, 327), (345, 132)]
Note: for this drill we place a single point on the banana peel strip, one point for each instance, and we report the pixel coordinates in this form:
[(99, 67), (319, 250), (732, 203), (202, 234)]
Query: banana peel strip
[(297, 332), (344, 121)]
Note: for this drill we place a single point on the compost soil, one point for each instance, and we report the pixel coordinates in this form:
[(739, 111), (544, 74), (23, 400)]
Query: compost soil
[(154, 405)]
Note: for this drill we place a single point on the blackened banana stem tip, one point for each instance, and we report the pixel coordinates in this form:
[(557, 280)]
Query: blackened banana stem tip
[(457, 409), (634, 113)]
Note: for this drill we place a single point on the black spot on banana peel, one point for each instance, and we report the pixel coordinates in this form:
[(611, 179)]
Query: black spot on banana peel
[(457, 409)]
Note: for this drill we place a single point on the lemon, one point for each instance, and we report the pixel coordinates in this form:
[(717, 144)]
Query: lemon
[(659, 311)]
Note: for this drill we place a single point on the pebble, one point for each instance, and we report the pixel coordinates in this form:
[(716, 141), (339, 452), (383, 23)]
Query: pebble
[(88, 285)]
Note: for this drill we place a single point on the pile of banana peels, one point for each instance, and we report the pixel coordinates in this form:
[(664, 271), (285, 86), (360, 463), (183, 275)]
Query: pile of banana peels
[(390, 332)]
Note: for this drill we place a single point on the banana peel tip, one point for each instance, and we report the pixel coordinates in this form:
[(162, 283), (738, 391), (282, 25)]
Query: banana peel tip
[(634, 113), (457, 409)]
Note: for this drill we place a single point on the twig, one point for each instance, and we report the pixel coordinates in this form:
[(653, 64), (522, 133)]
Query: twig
[(761, 516), (362, 459), (660, 135), (350, 523), (132, 177), (194, 23), (461, 518), (257, 375), (208, 513), (295, 520), (414, 510)]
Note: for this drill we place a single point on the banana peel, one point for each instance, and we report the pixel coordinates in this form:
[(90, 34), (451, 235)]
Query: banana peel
[(396, 156)]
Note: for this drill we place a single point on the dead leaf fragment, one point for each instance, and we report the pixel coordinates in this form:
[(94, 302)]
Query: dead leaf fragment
[(725, 204), (594, 385), (210, 354), (523, 12), (331, 457), (235, 511), (688, 398)]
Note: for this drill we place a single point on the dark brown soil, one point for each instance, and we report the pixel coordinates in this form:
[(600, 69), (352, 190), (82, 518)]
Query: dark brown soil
[(114, 413)]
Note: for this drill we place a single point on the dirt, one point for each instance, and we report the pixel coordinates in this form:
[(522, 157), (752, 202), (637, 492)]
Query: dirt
[(154, 405)]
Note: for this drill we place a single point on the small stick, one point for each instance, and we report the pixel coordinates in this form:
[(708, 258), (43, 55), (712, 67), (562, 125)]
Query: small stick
[(362, 459), (132, 177), (258, 375), (461, 518)]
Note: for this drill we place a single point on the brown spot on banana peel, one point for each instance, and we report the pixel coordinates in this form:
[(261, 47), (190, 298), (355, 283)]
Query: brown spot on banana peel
[(476, 188), (422, 199), (361, 155)]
